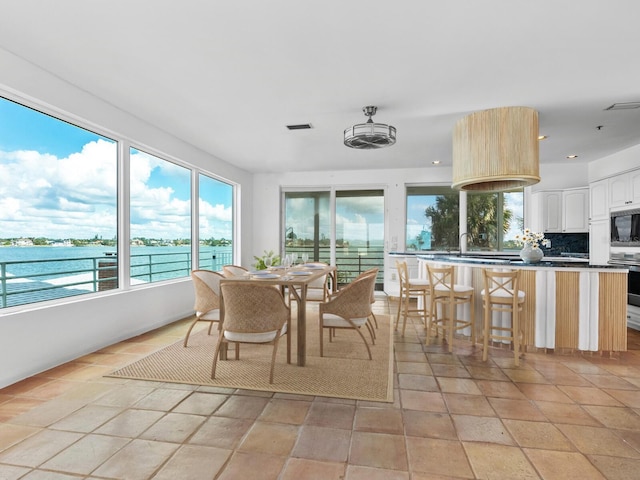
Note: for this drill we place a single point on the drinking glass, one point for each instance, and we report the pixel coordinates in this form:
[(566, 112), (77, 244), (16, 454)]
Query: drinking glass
[(294, 257), (305, 257), (287, 261), (267, 262)]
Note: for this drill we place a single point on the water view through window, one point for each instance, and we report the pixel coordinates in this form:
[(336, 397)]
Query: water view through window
[(58, 212)]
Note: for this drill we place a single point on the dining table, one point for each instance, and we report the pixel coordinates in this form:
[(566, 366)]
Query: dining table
[(297, 279)]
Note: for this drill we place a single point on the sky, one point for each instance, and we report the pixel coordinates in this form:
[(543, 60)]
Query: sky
[(60, 181)]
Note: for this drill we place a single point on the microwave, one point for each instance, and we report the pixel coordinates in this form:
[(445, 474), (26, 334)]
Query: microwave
[(625, 228)]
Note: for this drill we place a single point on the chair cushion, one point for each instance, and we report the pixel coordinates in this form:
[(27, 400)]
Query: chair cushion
[(262, 337), (331, 320), (212, 315), (418, 282), (456, 288)]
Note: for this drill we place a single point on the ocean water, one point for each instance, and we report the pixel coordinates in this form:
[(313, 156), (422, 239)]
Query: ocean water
[(57, 262)]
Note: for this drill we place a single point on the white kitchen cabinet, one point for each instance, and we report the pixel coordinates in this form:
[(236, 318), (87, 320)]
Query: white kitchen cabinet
[(624, 189), (599, 200), (575, 210), (599, 242), (551, 213), (564, 211)]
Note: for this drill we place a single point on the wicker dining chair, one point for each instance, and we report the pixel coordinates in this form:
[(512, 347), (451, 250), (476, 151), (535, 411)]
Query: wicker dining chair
[(255, 314), (206, 284), (234, 271), (318, 289), (349, 308)]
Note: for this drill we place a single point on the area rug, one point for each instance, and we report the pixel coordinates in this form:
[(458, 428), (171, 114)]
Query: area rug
[(345, 371)]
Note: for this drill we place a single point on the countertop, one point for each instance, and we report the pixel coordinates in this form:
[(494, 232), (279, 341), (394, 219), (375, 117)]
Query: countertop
[(504, 259)]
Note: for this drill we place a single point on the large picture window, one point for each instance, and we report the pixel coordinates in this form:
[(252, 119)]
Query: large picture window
[(160, 217), (215, 223), (433, 219), (58, 215)]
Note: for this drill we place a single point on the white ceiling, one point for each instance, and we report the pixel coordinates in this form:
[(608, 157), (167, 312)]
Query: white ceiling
[(228, 76)]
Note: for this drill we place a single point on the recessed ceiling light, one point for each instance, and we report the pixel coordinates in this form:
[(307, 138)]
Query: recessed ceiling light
[(572, 156), (436, 162), (542, 137)]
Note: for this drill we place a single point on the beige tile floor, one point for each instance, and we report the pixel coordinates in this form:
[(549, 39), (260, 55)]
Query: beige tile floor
[(555, 417)]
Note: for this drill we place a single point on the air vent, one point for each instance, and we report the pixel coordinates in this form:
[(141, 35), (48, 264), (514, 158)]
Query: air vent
[(624, 106), (301, 126)]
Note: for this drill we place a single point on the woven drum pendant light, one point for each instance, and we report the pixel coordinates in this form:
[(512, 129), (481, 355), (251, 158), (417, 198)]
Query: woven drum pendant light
[(496, 150)]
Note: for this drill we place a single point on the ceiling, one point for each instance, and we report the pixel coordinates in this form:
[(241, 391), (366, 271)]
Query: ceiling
[(228, 76)]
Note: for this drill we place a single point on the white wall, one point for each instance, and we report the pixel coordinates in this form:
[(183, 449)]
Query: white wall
[(37, 337)]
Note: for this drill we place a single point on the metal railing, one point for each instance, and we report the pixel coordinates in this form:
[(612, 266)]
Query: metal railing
[(49, 279), (350, 262)]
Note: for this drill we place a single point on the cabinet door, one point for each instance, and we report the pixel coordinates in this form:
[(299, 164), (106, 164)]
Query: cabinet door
[(599, 242), (552, 211), (599, 200), (634, 187), (618, 191), (574, 210)]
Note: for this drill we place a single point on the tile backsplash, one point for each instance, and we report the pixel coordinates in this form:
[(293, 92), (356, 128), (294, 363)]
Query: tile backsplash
[(567, 243)]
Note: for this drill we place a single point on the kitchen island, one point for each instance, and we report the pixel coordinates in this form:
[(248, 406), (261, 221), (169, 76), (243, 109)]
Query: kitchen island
[(570, 306)]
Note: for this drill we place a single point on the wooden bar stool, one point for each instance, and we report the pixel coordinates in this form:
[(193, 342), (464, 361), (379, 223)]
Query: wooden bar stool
[(501, 294), (412, 288), (449, 295)]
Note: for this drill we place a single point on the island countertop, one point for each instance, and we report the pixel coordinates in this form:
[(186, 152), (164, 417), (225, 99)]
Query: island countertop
[(515, 261)]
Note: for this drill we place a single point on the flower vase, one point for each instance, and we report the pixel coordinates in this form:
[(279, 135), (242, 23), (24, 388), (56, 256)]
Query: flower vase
[(530, 254)]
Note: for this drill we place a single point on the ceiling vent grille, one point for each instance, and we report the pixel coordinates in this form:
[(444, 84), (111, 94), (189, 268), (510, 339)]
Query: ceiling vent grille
[(624, 106), (301, 126)]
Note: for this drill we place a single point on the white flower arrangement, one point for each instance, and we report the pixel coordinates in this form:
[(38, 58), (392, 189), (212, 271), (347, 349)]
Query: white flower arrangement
[(532, 239)]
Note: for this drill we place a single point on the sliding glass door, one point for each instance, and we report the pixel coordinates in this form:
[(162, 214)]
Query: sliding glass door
[(345, 228)]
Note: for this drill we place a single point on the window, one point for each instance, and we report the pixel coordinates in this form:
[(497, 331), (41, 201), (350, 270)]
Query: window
[(308, 225), (433, 215), (433, 219), (58, 216), (215, 223), (359, 229), (493, 220), (160, 216)]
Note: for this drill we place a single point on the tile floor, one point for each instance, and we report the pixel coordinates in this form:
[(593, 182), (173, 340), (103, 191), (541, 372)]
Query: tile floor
[(454, 417)]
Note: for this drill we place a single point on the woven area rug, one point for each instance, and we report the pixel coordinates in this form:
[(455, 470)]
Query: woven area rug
[(345, 371)]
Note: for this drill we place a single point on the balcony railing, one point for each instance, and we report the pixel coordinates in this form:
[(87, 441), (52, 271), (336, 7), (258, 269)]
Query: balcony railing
[(50, 279)]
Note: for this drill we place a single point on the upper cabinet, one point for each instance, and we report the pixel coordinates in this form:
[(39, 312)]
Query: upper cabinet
[(599, 200), (564, 211), (624, 189)]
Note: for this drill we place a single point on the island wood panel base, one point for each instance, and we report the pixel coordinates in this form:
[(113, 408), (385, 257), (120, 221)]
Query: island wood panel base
[(610, 313), (612, 305), (567, 309)]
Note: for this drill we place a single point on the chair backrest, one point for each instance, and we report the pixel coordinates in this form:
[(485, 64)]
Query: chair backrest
[(253, 308), (501, 283), (353, 300), (207, 288), (233, 270), (441, 278), (403, 273), (374, 273)]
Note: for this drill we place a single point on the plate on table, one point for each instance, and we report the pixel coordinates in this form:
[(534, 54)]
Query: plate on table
[(313, 266), (299, 273), (261, 276)]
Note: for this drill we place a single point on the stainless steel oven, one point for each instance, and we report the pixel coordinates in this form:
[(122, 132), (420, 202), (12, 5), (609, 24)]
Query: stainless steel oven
[(633, 280)]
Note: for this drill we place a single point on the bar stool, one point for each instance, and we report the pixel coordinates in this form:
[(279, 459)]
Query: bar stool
[(501, 294), (412, 288), (449, 295)]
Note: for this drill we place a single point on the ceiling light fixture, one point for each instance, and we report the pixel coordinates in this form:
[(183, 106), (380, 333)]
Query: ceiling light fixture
[(369, 135), (496, 150), (543, 137), (571, 157), (436, 162)]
